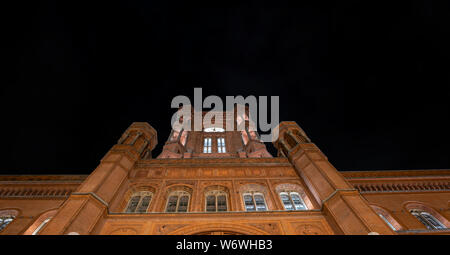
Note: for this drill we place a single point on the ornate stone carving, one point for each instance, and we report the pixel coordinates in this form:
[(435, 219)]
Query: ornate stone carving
[(124, 231), (309, 229), (271, 228), (161, 229)]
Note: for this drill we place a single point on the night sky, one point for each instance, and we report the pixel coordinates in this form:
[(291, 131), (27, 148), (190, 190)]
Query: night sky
[(369, 83)]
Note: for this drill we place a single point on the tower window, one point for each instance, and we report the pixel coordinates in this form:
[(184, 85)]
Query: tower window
[(5, 220), (207, 145), (216, 201), (254, 202), (292, 201), (139, 202), (178, 202), (221, 145), (427, 219)]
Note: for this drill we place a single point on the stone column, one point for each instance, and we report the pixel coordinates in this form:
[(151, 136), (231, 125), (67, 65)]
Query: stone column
[(345, 209), (89, 203)]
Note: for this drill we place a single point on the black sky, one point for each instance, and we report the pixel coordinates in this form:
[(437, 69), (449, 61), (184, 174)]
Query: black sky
[(368, 82)]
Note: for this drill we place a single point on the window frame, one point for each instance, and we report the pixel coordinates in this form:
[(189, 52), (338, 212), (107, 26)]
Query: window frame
[(419, 215), (221, 145), (142, 195), (179, 194), (216, 194), (291, 200), (253, 195), (207, 145)]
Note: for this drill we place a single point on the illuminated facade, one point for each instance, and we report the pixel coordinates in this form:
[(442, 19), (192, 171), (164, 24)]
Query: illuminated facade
[(224, 182)]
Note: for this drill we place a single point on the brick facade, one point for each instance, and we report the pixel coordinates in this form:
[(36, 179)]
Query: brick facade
[(336, 202)]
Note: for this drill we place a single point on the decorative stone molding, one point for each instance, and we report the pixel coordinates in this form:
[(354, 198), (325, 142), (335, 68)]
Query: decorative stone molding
[(36, 191), (410, 186)]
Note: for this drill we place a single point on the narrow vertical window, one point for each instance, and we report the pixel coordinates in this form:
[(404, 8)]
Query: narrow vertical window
[(221, 203), (260, 203), (183, 204), (172, 204), (286, 201), (207, 145), (211, 203), (5, 220), (292, 201), (254, 202), (221, 148), (216, 201), (178, 202), (249, 204)]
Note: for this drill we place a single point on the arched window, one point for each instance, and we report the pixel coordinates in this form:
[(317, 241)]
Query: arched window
[(6, 217), (292, 201), (139, 202), (254, 202), (427, 219), (5, 220), (216, 201), (178, 201), (36, 231)]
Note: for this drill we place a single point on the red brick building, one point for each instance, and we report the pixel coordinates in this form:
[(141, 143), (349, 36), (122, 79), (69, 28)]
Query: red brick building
[(224, 182)]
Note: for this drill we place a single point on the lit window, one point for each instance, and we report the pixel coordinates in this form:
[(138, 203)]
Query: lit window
[(36, 231), (139, 202), (427, 219), (248, 201), (216, 201), (254, 202), (178, 202), (292, 201), (221, 145), (5, 220), (207, 145)]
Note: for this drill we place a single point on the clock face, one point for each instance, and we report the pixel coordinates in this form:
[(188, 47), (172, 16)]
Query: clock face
[(213, 129)]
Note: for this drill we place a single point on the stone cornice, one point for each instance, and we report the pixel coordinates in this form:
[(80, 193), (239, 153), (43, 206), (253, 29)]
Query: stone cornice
[(402, 185), (42, 178)]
